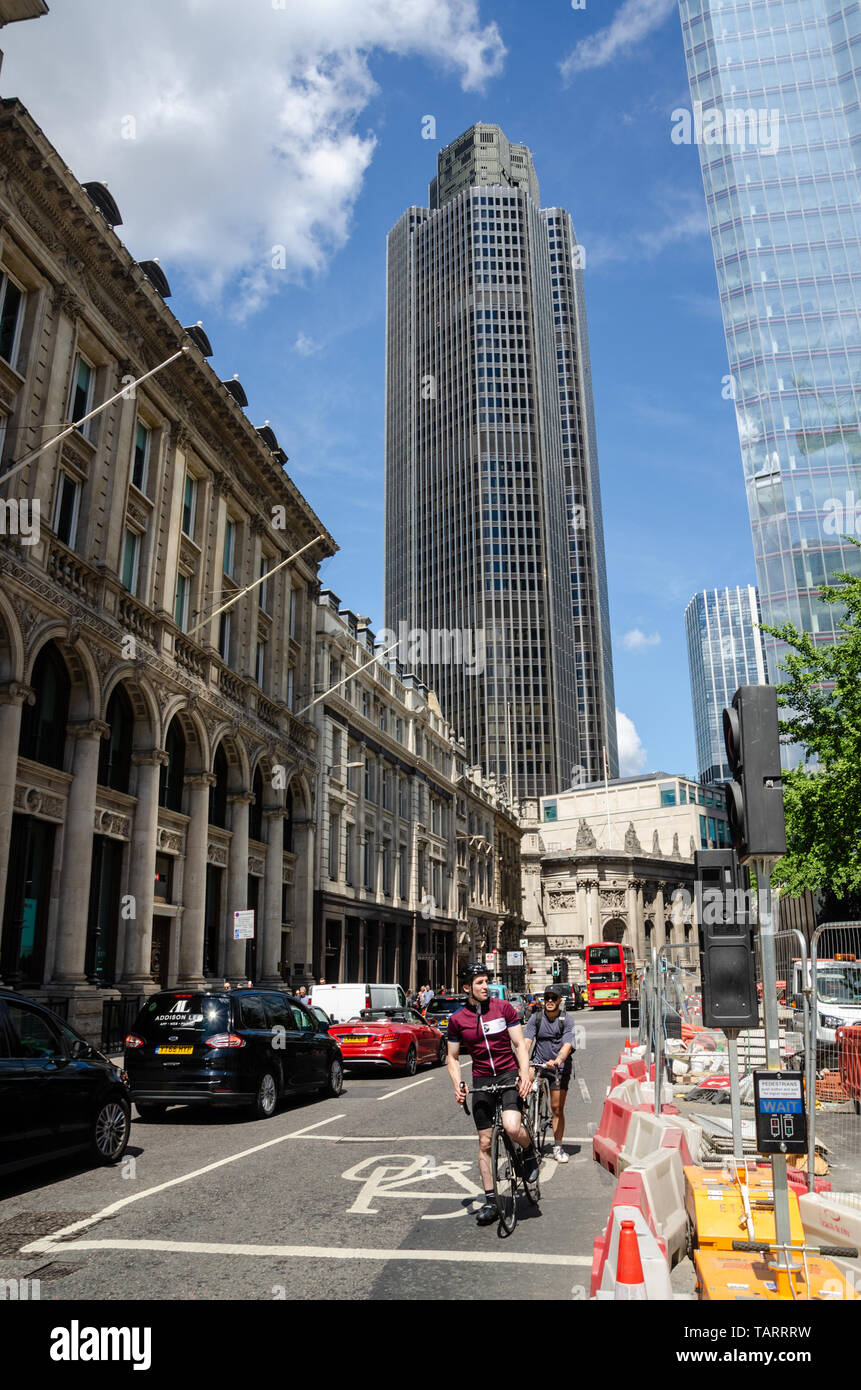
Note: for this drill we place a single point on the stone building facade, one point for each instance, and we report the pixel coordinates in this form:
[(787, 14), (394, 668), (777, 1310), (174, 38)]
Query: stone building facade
[(400, 895), (153, 776)]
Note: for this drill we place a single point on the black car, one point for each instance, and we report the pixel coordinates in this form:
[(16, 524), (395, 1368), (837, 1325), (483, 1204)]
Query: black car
[(58, 1095), (245, 1047), (441, 1008), (571, 997)]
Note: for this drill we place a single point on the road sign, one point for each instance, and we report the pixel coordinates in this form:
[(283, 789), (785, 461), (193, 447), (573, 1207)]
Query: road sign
[(514, 957), (781, 1124), (243, 925), (523, 943)]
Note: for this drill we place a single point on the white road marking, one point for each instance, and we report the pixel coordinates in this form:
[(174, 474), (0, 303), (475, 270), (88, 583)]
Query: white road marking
[(584, 1089), (401, 1089), (409, 1138), (319, 1252), (173, 1182)]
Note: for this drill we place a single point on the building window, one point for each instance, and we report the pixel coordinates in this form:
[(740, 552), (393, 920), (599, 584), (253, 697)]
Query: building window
[(293, 609), (11, 302), (386, 794), (83, 381), (668, 793), (334, 835), (263, 589), (66, 509), (131, 558), (291, 677), (224, 637), (402, 798), (189, 505), (229, 546), (369, 780), (163, 891), (260, 663), (180, 605), (140, 463)]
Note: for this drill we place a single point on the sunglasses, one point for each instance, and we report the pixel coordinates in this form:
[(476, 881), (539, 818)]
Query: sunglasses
[(551, 998)]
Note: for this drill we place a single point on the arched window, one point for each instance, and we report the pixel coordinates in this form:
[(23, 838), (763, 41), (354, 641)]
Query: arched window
[(218, 793), (43, 725), (172, 775), (115, 751), (255, 810)]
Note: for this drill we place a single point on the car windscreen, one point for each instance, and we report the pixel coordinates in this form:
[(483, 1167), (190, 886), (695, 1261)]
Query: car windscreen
[(187, 1013), (445, 1006), (839, 985)]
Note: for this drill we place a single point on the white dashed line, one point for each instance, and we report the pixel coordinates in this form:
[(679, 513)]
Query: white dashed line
[(401, 1089), (320, 1252), (584, 1089)]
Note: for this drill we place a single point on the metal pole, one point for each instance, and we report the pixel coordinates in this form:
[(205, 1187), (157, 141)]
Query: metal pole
[(765, 921), (812, 1003), (735, 1095), (659, 1029)]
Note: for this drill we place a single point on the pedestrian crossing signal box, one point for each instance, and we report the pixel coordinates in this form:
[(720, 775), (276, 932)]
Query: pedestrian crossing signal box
[(781, 1121)]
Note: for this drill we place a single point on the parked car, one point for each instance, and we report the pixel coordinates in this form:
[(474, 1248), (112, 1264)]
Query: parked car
[(344, 1001), (398, 1038), (519, 1002), (245, 1047), (441, 1008), (571, 996), (58, 1094)]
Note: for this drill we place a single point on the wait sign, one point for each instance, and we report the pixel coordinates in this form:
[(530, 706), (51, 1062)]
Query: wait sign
[(781, 1124)]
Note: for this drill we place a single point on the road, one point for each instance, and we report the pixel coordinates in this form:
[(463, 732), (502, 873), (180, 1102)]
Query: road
[(364, 1197)]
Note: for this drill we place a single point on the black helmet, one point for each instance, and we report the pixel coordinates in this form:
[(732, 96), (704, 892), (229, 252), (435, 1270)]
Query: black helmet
[(475, 968)]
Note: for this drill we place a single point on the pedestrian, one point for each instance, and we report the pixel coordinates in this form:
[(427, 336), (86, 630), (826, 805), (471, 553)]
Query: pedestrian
[(301, 992), (553, 1032), (429, 995), (321, 982)]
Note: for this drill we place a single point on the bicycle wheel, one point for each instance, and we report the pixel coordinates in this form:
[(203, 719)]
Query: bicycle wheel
[(504, 1178), (544, 1127)]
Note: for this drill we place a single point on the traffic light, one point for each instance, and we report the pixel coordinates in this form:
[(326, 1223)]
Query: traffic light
[(754, 799), (726, 942), (556, 970)]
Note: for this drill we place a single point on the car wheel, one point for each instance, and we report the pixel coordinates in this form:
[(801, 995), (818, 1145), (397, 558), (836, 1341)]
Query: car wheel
[(334, 1079), (442, 1055), (148, 1113), (266, 1098), (410, 1063), (110, 1132)]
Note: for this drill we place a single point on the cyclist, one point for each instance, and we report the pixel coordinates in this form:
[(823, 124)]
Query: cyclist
[(489, 1031), (554, 1043)]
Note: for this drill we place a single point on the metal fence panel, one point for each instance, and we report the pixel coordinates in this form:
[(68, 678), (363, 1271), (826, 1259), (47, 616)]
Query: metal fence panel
[(835, 999)]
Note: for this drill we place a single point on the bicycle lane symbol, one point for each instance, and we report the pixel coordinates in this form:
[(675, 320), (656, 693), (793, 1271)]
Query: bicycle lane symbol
[(408, 1177)]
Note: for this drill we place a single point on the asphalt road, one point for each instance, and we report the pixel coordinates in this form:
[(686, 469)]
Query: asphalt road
[(364, 1197)]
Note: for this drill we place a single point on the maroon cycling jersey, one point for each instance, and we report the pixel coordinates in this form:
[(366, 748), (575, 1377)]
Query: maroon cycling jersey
[(484, 1035)]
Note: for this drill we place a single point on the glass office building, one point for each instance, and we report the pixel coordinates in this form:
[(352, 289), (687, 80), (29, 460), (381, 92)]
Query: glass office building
[(775, 89), (724, 652), (493, 501)]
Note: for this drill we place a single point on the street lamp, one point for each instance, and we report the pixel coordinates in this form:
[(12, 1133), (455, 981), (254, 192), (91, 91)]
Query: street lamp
[(331, 768)]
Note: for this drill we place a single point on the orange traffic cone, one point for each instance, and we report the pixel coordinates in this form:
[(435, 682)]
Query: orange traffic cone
[(630, 1284)]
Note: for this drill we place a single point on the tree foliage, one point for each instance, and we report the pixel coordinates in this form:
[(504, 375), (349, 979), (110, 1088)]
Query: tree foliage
[(822, 797)]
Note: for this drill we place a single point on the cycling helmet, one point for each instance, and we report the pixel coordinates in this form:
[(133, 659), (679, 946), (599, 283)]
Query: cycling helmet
[(469, 972)]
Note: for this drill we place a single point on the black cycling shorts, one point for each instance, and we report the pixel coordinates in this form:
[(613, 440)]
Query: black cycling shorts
[(484, 1104), (559, 1079)]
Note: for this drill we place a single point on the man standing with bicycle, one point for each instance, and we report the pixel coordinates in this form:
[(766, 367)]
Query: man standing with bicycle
[(489, 1031), (554, 1043)]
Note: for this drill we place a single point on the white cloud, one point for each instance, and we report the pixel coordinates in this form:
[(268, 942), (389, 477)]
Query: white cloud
[(632, 754), (636, 641), (306, 346), (229, 135), (632, 22), (683, 218)]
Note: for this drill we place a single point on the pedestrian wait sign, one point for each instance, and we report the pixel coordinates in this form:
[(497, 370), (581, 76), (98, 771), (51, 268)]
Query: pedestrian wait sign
[(781, 1124), (243, 925)]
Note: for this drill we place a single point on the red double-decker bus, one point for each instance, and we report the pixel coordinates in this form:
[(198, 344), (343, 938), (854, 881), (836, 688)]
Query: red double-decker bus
[(610, 975)]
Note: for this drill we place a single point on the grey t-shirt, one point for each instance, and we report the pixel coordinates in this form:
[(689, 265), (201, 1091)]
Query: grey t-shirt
[(550, 1036)]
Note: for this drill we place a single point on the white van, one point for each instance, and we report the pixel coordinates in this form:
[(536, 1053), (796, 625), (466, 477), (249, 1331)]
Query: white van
[(343, 1002), (838, 999)]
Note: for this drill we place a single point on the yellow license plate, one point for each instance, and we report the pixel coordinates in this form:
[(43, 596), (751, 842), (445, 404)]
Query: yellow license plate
[(175, 1051), (443, 1023), (354, 1039)]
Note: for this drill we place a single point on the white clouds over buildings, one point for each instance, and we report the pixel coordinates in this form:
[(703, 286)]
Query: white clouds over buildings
[(636, 641), (632, 754)]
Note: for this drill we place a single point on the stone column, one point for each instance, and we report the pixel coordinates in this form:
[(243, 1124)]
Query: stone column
[(660, 919), (194, 883), (137, 970), (237, 885), (594, 916), (12, 697), (270, 944), (641, 920), (413, 984), (76, 872)]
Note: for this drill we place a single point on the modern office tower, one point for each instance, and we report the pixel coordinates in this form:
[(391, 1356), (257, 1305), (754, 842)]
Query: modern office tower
[(724, 651), (493, 503), (775, 91)]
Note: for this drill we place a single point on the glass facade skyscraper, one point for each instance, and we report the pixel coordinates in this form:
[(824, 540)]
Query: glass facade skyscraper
[(493, 503), (775, 86), (724, 652)]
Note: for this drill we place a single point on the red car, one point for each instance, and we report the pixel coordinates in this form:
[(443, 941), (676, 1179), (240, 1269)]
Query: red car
[(390, 1038)]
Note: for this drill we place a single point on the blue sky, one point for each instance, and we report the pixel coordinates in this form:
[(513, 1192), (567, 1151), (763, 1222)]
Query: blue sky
[(305, 130)]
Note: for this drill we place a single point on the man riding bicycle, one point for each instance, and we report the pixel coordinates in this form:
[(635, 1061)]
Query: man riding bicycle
[(553, 1032), (489, 1031)]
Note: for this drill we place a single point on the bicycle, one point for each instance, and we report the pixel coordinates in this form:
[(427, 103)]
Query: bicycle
[(506, 1163), (540, 1111)]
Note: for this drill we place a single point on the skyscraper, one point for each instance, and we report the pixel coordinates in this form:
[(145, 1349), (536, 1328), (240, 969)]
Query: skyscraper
[(776, 108), (724, 652), (493, 503)]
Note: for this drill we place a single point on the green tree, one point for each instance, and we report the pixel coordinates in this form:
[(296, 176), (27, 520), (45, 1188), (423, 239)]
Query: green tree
[(822, 797)]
